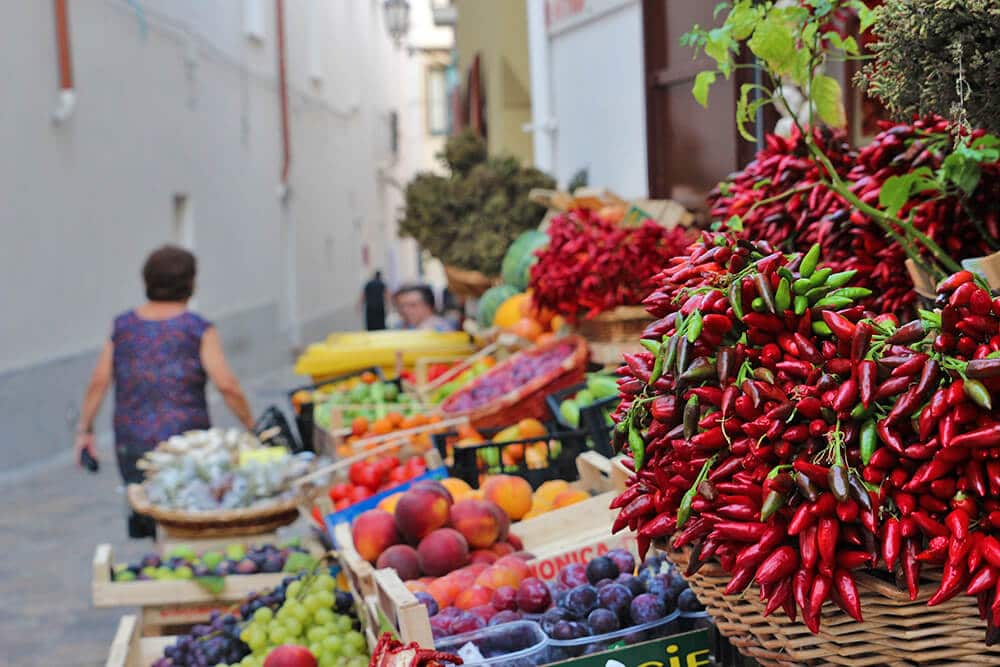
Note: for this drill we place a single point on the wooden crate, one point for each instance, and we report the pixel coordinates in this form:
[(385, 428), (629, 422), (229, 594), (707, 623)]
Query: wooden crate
[(130, 649), (174, 601)]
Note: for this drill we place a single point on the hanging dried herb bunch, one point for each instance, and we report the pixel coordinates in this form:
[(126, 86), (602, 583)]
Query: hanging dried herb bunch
[(468, 218), (938, 57)]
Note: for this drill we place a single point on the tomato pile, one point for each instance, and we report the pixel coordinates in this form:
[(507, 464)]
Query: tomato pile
[(374, 476), (780, 198), (779, 428), (592, 265)]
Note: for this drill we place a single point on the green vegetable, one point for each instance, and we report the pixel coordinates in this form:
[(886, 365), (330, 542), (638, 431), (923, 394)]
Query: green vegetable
[(602, 386)]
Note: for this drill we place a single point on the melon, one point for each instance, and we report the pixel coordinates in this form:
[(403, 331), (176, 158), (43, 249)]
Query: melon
[(491, 300), (516, 267), (512, 310)]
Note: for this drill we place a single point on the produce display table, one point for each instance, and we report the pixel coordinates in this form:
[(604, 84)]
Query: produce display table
[(130, 649)]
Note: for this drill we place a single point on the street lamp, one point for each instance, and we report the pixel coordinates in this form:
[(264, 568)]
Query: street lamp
[(397, 19)]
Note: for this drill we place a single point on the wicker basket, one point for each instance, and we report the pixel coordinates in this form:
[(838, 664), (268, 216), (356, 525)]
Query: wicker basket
[(621, 325), (463, 282), (217, 523), (896, 631), (529, 400)]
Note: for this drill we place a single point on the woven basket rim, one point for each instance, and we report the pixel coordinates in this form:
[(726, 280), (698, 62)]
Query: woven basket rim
[(576, 358), (140, 503), (619, 313)]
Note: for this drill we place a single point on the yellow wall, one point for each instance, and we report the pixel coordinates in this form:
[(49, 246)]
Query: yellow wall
[(498, 31)]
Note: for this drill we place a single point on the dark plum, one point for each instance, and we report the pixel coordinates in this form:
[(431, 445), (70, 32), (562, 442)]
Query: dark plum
[(505, 616), (635, 585), (505, 598), (567, 630), (603, 621), (623, 560), (514, 637), (601, 567), (573, 575), (688, 601), (615, 598), (428, 601), (581, 600), (466, 622), (646, 608), (440, 626), (551, 617), (272, 563), (602, 583), (533, 596), (449, 612)]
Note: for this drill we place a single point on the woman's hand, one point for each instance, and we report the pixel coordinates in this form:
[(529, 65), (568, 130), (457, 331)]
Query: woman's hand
[(84, 441)]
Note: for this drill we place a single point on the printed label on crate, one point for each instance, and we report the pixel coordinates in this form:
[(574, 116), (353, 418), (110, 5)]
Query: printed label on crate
[(687, 650), (548, 568)]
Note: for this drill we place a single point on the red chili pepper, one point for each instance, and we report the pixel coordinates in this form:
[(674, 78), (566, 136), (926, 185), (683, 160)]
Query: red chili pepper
[(867, 375), (957, 523), (951, 584), (801, 585), (990, 548), (911, 568), (891, 542), (805, 515), (847, 592), (827, 533), (661, 526), (860, 340), (808, 548), (985, 579), (741, 578), (910, 367), (626, 496), (929, 526), (780, 564), (841, 327), (739, 531), (891, 387), (819, 594), (889, 437), (847, 396), (987, 436), (818, 474), (853, 560)]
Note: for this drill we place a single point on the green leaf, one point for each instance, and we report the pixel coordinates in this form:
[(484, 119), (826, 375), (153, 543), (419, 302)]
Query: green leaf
[(702, 83), (961, 170), (718, 8), (829, 101), (762, 183), (746, 110), (718, 47), (774, 43), (866, 17), (894, 193), (851, 46), (987, 141), (743, 19), (214, 585), (735, 224)]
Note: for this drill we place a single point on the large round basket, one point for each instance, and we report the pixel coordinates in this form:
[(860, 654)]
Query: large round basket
[(620, 325), (896, 631), (528, 401), (464, 282), (218, 523)]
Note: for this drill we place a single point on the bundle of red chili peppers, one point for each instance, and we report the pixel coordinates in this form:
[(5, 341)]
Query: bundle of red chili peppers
[(592, 265), (796, 438), (781, 199)]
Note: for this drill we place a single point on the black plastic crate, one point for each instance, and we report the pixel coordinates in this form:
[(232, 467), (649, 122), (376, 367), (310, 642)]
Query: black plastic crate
[(304, 416), (598, 432), (468, 466)]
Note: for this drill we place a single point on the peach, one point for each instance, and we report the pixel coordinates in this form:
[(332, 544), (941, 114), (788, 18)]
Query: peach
[(389, 503), (473, 596), (442, 551), (415, 586), (458, 488), (512, 494), (403, 559), (443, 591), (374, 531), (502, 519), (546, 494), (570, 497), (499, 575), (422, 509), (515, 542), (476, 521), (515, 563), (435, 485), (483, 556), (503, 549)]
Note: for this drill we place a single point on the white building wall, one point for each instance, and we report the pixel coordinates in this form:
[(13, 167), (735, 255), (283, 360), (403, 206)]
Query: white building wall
[(174, 98), (590, 63)]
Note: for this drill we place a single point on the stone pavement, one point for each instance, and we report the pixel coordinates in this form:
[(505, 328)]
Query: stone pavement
[(53, 518)]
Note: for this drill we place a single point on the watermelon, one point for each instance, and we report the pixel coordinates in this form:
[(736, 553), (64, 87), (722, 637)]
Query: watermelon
[(491, 300), (516, 267)]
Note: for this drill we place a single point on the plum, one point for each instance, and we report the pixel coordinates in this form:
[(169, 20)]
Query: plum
[(428, 601), (466, 622), (505, 598), (601, 567), (602, 583), (688, 601), (646, 608), (616, 598), (603, 621), (635, 585), (513, 637), (573, 575), (553, 616), (533, 596), (440, 626), (581, 600), (567, 630), (623, 560)]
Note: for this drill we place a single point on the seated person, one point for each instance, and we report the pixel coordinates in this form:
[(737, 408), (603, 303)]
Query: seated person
[(415, 304)]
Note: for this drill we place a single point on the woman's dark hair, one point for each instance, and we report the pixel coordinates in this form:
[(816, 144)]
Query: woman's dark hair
[(169, 274), (424, 291)]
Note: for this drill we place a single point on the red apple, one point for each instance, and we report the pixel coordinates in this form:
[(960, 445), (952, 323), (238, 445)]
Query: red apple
[(290, 655)]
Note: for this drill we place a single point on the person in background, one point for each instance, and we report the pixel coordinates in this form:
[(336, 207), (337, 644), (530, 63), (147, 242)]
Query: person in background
[(453, 308), (160, 357), (415, 304), (373, 297)]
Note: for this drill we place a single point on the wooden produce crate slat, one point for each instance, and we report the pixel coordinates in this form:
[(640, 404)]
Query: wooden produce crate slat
[(130, 649)]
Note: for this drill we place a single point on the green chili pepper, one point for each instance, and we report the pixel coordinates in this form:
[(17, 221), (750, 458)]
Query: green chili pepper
[(820, 328), (869, 440), (650, 345), (852, 292), (810, 261), (671, 355), (801, 303), (977, 392), (819, 278), (758, 304), (772, 503), (657, 370), (736, 298), (817, 293), (684, 510), (801, 286), (783, 295), (785, 273), (694, 326), (763, 374), (859, 411), (692, 414), (834, 302), (637, 446), (840, 279)]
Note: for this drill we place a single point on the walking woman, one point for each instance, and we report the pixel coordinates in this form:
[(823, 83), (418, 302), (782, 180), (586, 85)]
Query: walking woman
[(160, 357)]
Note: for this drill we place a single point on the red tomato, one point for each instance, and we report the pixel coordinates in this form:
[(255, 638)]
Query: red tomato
[(398, 476), (365, 474), (342, 504), (359, 493), (416, 463), (340, 491)]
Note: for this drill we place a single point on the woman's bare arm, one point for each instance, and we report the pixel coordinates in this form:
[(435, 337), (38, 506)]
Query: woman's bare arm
[(97, 388), (214, 361)]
